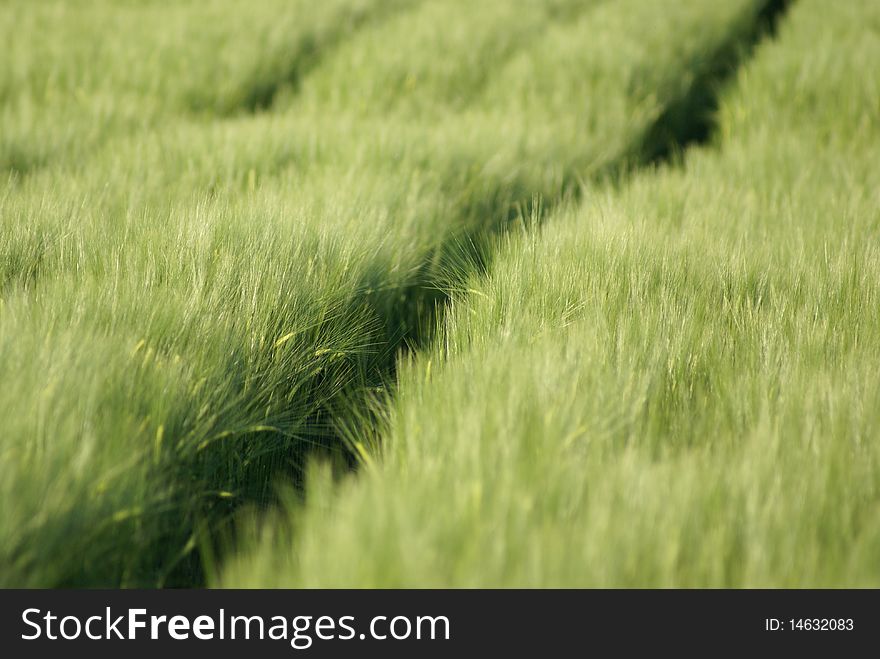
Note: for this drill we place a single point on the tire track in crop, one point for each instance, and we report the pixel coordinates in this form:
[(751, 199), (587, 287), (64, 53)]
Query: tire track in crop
[(312, 50), (350, 418), (688, 120), (343, 423)]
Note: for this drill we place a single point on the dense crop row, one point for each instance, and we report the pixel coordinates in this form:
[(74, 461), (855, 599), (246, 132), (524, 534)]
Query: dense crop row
[(192, 305), (673, 383), (74, 74)]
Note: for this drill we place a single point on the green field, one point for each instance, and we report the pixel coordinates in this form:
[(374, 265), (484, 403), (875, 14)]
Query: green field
[(440, 293)]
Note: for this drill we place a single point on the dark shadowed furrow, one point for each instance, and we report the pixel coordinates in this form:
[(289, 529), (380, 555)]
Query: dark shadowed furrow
[(408, 319), (412, 319), (691, 119)]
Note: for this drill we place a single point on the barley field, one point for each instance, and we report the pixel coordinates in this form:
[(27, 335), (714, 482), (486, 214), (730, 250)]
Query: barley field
[(440, 293)]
